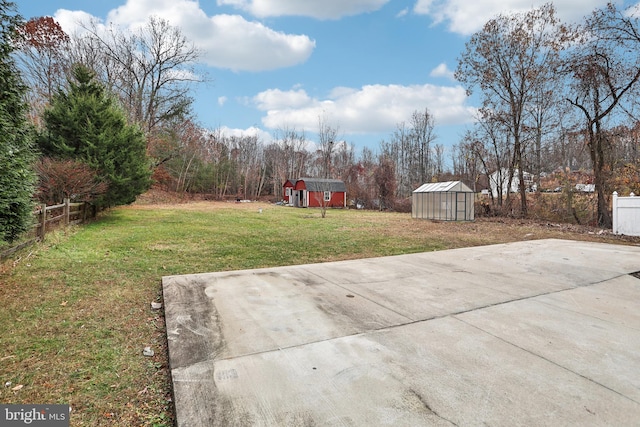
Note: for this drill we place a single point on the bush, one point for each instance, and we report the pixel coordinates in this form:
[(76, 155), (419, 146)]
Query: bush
[(67, 179), (564, 207), (402, 205)]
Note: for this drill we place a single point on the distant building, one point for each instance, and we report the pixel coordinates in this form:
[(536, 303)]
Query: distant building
[(500, 179), (586, 188), (315, 193)]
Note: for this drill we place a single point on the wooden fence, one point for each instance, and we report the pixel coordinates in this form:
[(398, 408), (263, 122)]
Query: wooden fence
[(48, 218)]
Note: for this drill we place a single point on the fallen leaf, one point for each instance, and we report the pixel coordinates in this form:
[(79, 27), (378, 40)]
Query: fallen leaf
[(18, 387), (63, 303)]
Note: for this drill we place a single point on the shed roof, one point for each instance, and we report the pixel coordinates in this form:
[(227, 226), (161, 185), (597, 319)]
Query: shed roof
[(443, 187), (321, 184)]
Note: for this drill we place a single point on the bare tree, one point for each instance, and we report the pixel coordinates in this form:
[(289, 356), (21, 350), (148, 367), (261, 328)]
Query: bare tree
[(359, 180), (327, 137), (248, 154), (410, 151), (343, 159), (150, 70), (422, 135), (438, 160), (495, 155), (385, 179), (604, 69), (545, 112), (507, 60), (189, 155), (219, 156), (286, 157), (397, 150)]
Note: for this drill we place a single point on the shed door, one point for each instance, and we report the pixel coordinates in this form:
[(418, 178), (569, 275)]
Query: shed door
[(461, 207)]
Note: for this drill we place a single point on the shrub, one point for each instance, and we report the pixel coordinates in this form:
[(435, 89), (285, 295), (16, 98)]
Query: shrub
[(67, 178)]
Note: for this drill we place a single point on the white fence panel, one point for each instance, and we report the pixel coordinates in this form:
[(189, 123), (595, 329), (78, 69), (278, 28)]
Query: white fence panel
[(626, 215)]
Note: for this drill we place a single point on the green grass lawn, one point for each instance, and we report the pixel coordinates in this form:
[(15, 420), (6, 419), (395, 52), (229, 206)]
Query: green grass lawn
[(76, 310)]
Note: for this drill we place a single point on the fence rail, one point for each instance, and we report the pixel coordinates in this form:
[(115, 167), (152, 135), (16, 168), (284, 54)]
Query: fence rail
[(47, 218), (626, 214)]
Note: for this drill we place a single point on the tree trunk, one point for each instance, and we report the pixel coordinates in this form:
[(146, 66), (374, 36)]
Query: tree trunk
[(596, 150)]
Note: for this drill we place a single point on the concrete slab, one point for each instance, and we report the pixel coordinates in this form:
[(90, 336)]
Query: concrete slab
[(530, 333)]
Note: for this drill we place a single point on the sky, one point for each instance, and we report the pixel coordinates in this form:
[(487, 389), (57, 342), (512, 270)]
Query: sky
[(362, 66)]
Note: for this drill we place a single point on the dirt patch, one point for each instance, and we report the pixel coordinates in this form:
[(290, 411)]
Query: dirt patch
[(158, 199)]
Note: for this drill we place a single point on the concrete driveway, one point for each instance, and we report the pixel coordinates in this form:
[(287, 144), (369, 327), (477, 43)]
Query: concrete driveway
[(543, 332)]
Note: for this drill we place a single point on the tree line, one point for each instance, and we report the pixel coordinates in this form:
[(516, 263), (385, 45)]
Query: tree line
[(101, 114)]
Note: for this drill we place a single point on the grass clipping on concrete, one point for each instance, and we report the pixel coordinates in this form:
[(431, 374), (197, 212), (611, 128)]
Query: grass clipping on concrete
[(76, 311)]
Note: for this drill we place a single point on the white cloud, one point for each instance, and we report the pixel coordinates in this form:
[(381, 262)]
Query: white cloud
[(234, 43), (226, 41), (442, 71), (370, 109), (135, 12), (325, 9), (276, 99), (69, 20), (252, 131), (465, 17), (222, 100)]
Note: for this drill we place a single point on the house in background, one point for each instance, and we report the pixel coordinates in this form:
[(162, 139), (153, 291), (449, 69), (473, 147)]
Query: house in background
[(445, 201), (500, 179), (316, 193)]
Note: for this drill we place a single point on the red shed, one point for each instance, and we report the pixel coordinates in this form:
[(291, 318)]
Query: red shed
[(287, 192), (318, 192)]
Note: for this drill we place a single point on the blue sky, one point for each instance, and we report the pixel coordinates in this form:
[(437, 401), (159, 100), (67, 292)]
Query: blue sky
[(362, 65)]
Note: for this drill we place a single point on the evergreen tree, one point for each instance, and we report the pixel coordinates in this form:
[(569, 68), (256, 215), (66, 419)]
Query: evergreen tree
[(17, 178), (85, 123)]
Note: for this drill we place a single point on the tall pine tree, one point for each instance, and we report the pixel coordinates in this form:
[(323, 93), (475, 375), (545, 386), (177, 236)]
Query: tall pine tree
[(86, 124), (17, 178)]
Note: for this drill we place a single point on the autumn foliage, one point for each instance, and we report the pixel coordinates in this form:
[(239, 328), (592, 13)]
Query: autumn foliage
[(72, 179)]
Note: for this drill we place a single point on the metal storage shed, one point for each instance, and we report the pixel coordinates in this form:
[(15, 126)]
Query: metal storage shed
[(446, 201)]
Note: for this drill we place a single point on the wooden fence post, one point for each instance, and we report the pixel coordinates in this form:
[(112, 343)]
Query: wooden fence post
[(66, 211), (43, 220)]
